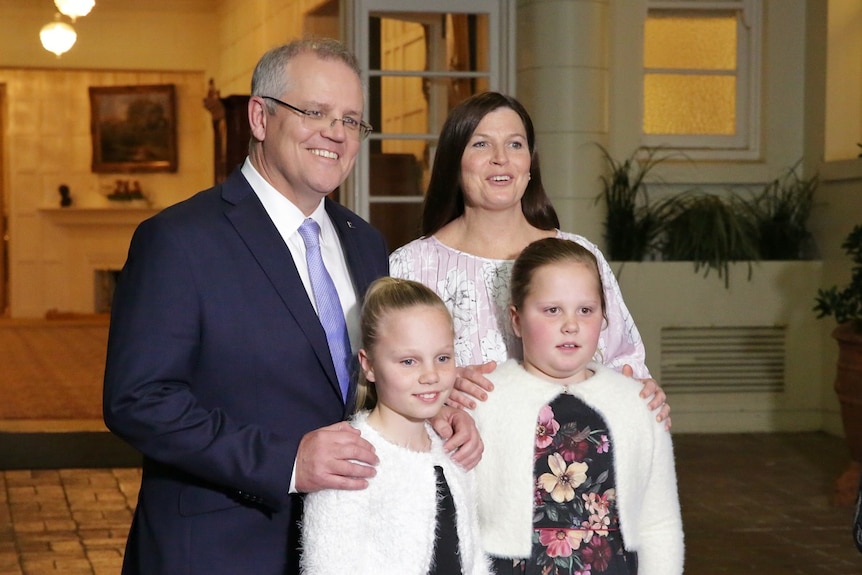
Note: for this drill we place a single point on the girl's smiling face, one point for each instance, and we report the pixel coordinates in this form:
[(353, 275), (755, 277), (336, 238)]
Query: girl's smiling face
[(412, 363)]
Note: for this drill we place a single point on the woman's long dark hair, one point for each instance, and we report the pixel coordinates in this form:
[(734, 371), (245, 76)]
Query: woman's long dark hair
[(444, 200)]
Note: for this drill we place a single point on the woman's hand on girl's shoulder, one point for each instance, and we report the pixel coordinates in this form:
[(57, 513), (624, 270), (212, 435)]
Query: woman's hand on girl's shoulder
[(472, 385), (659, 397), (458, 429)]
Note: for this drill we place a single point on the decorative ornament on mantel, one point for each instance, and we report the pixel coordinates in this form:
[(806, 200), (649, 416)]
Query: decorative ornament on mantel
[(58, 36)]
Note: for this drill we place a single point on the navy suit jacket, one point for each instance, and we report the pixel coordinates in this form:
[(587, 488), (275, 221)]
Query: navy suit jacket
[(217, 366)]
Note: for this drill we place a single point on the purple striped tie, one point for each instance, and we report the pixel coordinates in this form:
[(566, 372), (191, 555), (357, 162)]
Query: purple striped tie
[(328, 305)]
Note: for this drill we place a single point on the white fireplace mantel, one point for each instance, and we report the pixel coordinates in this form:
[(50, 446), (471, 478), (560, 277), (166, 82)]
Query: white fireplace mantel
[(110, 216), (83, 243)]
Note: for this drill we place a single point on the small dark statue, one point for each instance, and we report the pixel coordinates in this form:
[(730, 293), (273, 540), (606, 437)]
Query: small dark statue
[(65, 196)]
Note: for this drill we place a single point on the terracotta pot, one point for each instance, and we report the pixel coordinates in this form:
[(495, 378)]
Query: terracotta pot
[(848, 386)]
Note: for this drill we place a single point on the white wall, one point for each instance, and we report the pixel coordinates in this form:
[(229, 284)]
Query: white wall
[(844, 80), (117, 34), (557, 38), (46, 129), (672, 295), (48, 143)]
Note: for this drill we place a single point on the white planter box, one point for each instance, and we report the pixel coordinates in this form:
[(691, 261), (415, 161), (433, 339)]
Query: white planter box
[(672, 295)]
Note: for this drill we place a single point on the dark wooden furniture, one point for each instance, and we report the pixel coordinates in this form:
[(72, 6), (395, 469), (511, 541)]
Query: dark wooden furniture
[(231, 130)]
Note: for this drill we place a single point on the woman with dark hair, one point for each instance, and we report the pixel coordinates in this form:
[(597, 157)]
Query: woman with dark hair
[(485, 203), (444, 201)]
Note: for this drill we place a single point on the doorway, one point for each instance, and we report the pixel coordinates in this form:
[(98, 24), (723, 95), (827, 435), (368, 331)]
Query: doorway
[(4, 218), (418, 62)]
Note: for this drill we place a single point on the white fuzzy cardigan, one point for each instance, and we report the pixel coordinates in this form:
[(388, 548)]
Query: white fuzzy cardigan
[(389, 528), (647, 499)]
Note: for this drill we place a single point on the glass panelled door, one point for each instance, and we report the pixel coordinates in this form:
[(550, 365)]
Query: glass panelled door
[(418, 63)]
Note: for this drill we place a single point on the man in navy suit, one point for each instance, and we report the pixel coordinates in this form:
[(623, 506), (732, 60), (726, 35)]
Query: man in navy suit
[(218, 368)]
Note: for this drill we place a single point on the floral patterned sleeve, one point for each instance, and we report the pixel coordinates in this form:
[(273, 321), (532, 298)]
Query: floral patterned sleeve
[(620, 341), (401, 263)]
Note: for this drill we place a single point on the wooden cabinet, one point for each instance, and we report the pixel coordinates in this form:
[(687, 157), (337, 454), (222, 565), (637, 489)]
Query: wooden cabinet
[(230, 129)]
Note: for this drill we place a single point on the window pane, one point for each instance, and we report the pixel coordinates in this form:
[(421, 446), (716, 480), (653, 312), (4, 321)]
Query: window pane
[(689, 105), (420, 60), (690, 40), (399, 223), (400, 172), (405, 43), (404, 106), (400, 175)]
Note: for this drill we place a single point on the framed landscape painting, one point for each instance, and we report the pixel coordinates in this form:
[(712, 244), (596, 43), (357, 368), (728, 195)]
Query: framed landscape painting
[(134, 128)]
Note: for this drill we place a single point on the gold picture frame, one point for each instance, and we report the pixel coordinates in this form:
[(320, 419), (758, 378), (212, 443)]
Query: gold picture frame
[(134, 128)]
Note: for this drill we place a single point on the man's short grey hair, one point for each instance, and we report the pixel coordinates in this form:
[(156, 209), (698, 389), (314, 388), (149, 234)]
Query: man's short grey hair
[(269, 78)]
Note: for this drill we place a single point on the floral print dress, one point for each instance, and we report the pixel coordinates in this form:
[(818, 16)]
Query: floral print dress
[(575, 523)]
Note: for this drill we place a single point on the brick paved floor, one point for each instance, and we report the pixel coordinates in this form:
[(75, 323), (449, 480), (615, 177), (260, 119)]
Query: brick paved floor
[(69, 521), (752, 503)]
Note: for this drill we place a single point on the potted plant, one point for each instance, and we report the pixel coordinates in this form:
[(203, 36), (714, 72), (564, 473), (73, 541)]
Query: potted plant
[(632, 226), (846, 306), (781, 213), (709, 230)]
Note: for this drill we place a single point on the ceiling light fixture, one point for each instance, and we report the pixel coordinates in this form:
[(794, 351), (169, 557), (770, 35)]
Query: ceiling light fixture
[(74, 8), (58, 37)]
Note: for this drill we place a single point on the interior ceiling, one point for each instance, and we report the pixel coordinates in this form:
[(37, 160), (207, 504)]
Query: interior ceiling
[(156, 5), (118, 5)]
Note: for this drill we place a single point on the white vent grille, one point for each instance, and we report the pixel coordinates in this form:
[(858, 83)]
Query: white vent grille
[(722, 359)]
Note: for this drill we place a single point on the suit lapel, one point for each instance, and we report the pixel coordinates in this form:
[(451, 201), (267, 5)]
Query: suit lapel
[(252, 223), (342, 219)]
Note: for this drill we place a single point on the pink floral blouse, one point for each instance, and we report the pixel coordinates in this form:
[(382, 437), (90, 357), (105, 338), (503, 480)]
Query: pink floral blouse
[(476, 291)]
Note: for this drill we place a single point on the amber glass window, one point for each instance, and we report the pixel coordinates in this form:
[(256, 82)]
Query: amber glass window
[(698, 63)]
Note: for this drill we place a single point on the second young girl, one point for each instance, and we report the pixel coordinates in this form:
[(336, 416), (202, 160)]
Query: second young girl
[(417, 515), (577, 476)]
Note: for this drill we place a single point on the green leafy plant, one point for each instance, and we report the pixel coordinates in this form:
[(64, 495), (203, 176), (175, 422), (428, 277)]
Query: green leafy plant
[(845, 304), (781, 212), (710, 230), (632, 226)]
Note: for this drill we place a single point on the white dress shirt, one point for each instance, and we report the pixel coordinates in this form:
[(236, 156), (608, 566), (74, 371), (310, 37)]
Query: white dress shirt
[(287, 219)]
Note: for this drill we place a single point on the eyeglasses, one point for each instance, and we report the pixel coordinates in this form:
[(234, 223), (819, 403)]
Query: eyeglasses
[(351, 125)]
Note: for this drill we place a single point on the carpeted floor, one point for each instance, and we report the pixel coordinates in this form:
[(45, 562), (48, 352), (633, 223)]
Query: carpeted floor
[(52, 369), (66, 450), (51, 396)]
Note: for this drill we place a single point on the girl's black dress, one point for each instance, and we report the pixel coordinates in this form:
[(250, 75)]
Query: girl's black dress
[(575, 522)]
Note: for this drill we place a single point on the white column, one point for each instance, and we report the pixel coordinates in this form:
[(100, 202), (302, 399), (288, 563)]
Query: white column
[(562, 72)]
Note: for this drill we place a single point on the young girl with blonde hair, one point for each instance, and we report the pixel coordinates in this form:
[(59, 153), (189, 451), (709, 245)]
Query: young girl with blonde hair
[(418, 514)]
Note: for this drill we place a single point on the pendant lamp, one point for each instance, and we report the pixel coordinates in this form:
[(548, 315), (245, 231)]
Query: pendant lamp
[(74, 8), (57, 37)]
